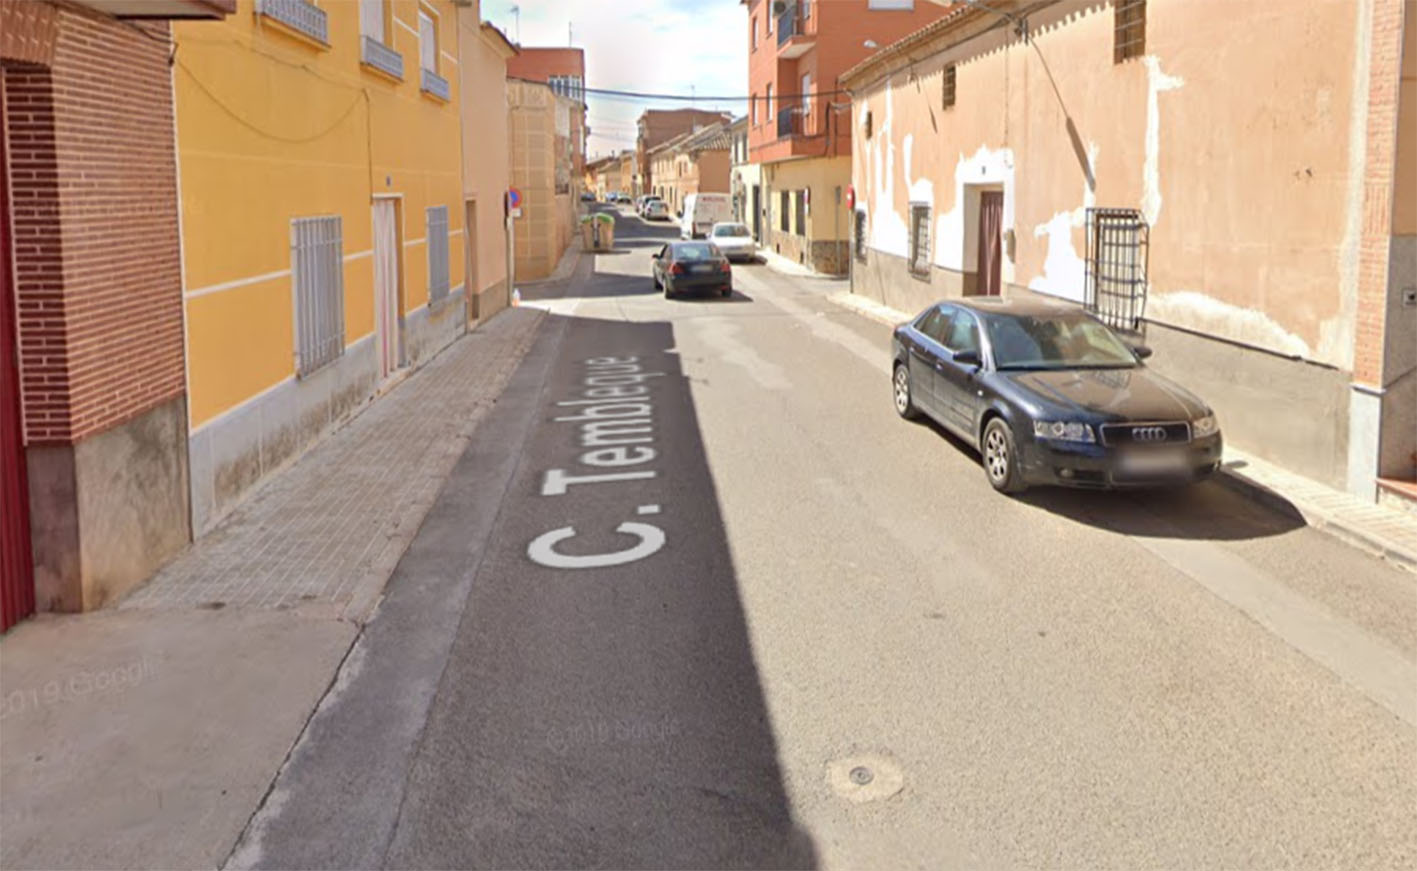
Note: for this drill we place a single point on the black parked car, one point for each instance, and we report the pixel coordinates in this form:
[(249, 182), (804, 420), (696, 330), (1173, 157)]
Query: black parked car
[(691, 266), (1049, 395)]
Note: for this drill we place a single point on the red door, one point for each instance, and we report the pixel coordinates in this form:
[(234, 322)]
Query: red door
[(16, 569)]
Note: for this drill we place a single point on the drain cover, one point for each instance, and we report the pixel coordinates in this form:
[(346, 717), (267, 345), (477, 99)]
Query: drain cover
[(865, 777)]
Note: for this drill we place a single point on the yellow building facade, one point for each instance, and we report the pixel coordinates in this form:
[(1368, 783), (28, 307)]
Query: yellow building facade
[(322, 215)]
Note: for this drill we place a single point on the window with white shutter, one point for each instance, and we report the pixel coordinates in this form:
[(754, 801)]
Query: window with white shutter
[(371, 19), (427, 42)]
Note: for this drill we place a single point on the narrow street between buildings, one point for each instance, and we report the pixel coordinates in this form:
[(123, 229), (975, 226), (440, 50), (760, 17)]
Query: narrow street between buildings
[(745, 616)]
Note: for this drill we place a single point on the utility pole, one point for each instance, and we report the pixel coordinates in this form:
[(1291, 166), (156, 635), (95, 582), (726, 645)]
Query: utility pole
[(517, 11)]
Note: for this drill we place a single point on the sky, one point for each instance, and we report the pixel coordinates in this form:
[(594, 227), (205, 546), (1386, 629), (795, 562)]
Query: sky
[(688, 47)]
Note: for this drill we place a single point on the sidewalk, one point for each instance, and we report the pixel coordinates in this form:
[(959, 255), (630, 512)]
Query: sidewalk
[(1378, 529), (147, 735)]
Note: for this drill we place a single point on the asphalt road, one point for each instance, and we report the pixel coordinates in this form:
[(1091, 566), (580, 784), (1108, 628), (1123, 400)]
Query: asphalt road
[(761, 622)]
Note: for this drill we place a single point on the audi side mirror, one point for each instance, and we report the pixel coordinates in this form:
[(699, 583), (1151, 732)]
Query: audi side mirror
[(1142, 352), (968, 358)]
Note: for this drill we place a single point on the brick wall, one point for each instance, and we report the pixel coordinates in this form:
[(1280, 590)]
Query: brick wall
[(540, 64), (1384, 84), (95, 207)]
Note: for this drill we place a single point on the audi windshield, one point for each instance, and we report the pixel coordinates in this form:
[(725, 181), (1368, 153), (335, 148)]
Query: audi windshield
[(1061, 341)]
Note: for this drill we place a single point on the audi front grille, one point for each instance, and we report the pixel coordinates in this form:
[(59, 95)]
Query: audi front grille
[(1174, 433)]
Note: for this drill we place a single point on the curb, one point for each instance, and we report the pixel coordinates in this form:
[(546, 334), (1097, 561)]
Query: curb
[(1350, 533)]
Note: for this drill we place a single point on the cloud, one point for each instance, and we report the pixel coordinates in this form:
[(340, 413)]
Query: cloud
[(647, 46)]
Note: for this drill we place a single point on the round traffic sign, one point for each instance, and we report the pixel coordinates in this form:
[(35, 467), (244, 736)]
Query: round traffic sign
[(514, 198)]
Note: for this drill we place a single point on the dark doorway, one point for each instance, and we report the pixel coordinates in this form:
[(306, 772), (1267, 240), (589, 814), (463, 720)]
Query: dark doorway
[(991, 222), (16, 564), (757, 212)]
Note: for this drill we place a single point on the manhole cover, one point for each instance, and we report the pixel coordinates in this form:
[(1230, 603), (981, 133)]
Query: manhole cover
[(865, 777)]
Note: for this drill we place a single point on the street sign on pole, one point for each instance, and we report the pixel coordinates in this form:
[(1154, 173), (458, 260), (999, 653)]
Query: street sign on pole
[(514, 198)]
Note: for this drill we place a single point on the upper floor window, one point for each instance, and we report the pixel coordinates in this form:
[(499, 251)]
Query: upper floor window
[(568, 86), (806, 95), (755, 33), (768, 99), (427, 41), (949, 87), (1129, 36), (890, 4), (373, 19), (754, 102)]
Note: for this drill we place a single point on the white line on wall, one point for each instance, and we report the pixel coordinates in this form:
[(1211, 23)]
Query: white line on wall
[(240, 282)]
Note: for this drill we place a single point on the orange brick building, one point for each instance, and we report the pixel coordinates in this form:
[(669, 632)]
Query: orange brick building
[(799, 126)]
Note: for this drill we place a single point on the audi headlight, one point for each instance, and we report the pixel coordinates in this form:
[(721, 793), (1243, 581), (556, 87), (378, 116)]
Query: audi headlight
[(1063, 431), (1204, 426)]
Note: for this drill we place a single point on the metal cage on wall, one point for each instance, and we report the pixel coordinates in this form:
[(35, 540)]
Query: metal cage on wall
[(1118, 252)]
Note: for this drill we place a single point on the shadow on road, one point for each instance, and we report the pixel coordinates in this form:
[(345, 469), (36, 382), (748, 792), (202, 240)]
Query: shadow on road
[(607, 716), (1208, 510)]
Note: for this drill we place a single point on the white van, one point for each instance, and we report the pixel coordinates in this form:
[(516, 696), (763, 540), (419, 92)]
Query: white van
[(701, 212)]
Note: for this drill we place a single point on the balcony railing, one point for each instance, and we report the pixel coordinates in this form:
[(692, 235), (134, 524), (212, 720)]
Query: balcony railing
[(789, 24), (436, 85), (379, 56), (299, 15), (789, 122)]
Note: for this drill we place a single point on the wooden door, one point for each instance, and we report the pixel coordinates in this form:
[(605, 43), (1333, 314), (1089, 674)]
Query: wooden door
[(991, 222)]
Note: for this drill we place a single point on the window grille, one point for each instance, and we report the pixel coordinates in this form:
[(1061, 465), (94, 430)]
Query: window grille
[(1117, 252), (784, 207), (920, 239), (949, 89), (317, 269), (1129, 37), (439, 281), (861, 236), (300, 15), (801, 210)]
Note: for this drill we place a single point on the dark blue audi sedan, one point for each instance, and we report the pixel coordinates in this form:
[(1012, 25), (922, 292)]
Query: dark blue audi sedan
[(1049, 395)]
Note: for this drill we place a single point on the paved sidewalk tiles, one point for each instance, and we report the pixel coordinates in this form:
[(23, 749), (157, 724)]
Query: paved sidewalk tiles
[(328, 531)]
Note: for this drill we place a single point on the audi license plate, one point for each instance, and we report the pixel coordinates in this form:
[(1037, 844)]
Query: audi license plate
[(1157, 462)]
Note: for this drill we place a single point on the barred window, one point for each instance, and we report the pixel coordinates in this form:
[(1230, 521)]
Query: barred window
[(949, 89), (784, 200), (801, 205), (317, 276), (1129, 36), (1118, 246), (438, 280), (920, 238), (861, 235)]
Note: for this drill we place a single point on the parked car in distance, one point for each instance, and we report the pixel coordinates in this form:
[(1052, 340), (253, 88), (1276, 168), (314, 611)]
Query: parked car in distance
[(624, 200), (691, 266), (701, 212), (1050, 395), (588, 197), (643, 202), (734, 240), (656, 210)]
